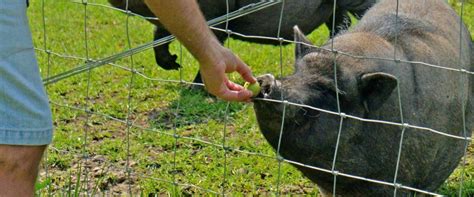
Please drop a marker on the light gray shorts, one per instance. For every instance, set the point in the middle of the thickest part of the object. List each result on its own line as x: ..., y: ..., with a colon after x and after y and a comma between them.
x: 25, y: 116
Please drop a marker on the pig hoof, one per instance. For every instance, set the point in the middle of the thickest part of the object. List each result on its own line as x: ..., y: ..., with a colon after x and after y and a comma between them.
x: 172, y: 66
x: 168, y: 63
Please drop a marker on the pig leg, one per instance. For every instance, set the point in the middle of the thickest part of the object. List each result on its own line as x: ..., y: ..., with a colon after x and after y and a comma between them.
x: 342, y: 22
x: 358, y: 13
x: 163, y: 57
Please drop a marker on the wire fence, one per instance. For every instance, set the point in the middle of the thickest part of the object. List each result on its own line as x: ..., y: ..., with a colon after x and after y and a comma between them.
x: 85, y: 71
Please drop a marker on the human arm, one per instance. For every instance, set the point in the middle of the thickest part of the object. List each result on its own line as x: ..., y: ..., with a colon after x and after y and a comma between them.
x: 184, y: 19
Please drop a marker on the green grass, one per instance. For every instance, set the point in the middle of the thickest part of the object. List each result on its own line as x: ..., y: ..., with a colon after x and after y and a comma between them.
x: 158, y: 110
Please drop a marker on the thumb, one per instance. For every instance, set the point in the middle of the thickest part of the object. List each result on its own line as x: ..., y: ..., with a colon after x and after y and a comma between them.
x: 245, y: 72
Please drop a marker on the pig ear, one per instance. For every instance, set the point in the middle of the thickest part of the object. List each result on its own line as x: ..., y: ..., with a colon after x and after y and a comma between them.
x: 301, y: 49
x: 375, y: 88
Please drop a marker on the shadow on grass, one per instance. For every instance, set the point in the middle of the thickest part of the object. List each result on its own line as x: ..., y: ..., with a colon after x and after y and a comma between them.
x: 192, y: 107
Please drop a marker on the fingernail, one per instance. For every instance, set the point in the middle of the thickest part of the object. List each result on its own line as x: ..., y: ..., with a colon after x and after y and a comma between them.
x: 249, y: 93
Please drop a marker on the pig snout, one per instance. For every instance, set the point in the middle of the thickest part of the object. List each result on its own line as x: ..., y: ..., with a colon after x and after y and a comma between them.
x: 267, y: 83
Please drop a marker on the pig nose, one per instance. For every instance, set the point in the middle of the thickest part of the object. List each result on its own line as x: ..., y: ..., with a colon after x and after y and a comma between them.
x: 266, y: 82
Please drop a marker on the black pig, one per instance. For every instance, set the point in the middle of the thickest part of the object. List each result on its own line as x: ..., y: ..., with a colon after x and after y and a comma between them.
x: 307, y: 14
x: 424, y: 31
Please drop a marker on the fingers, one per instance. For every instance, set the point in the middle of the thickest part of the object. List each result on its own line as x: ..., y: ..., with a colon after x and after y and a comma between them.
x: 216, y: 81
x: 231, y: 95
x: 245, y: 71
x: 233, y: 86
x: 221, y: 87
x: 236, y: 64
x: 234, y: 92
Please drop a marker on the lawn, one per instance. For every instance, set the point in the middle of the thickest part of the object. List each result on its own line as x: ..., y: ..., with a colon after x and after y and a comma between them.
x: 119, y: 133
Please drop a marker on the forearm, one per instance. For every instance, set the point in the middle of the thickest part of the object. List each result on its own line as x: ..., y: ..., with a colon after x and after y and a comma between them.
x: 184, y: 20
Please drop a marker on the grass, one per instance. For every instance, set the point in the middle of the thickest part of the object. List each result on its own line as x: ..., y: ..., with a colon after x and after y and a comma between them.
x: 90, y: 153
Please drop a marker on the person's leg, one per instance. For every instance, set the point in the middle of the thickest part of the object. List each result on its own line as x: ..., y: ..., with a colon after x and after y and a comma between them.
x: 25, y: 117
x: 19, y: 169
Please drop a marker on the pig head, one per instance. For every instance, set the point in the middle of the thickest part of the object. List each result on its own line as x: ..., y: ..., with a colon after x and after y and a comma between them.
x: 369, y: 86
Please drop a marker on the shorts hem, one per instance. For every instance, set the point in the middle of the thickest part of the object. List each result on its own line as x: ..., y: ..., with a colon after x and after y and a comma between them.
x: 26, y: 137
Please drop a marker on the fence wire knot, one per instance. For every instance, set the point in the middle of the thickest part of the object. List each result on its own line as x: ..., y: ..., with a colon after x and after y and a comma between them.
x: 343, y: 115
x: 227, y: 148
x: 280, y: 158
x: 397, y: 185
x: 281, y: 39
x: 88, y: 61
x: 405, y: 125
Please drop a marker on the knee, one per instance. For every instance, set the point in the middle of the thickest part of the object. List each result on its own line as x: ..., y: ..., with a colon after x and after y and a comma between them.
x: 20, y: 161
x: 12, y: 165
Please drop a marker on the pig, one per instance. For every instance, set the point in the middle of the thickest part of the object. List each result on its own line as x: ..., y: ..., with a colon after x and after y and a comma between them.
x: 261, y: 23
x: 424, y: 31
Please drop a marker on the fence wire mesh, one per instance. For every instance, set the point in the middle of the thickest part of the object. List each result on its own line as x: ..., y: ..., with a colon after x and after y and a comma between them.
x: 83, y: 179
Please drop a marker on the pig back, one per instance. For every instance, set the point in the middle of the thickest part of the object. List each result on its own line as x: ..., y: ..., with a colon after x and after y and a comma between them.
x: 307, y: 14
x: 426, y: 34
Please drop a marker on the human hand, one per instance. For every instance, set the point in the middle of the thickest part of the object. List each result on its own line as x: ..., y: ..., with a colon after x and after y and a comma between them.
x: 213, y: 74
x: 181, y: 17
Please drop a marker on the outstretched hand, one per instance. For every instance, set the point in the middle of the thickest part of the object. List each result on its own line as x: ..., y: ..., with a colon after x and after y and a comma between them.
x: 216, y: 81
x: 181, y: 17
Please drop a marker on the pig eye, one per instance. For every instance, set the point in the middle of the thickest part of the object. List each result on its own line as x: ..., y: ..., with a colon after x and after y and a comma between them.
x: 329, y: 94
